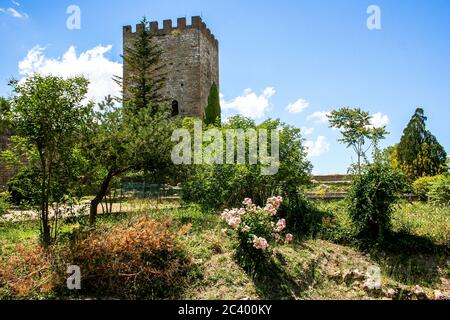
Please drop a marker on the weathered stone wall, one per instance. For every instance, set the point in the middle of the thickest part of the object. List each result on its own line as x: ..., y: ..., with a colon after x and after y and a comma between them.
x: 191, y: 56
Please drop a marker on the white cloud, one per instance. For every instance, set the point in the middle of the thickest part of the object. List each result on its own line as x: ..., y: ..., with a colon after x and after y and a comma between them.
x: 307, y: 131
x: 319, y: 117
x: 297, y: 106
x: 318, y: 147
x: 14, y: 13
x: 16, y: 3
x: 92, y: 64
x: 250, y: 104
x: 379, y: 120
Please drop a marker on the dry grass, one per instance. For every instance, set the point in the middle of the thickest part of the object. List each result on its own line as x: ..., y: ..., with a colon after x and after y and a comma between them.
x: 28, y: 272
x: 142, y: 260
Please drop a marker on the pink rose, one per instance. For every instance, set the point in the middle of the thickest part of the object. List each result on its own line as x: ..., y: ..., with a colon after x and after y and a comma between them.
x: 247, y: 202
x: 260, y: 244
x: 289, y: 238
x: 281, y: 225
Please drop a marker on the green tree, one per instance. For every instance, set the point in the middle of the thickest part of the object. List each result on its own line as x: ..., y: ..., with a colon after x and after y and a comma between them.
x: 213, y: 111
x: 146, y: 73
x: 356, y: 129
x: 419, y: 152
x: 49, y: 114
x: 372, y: 198
x: 390, y: 156
x: 215, y: 186
x: 118, y: 141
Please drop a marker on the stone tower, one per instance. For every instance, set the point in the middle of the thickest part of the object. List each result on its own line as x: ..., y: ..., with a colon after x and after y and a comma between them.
x: 191, y: 55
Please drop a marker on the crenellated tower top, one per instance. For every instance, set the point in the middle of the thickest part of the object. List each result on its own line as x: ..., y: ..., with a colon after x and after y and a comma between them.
x: 168, y: 28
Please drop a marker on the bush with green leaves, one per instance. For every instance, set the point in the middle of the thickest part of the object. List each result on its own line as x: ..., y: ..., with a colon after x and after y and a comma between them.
x: 303, y: 217
x: 24, y: 188
x: 258, y: 230
x: 220, y: 186
x: 4, y: 202
x: 372, y: 198
x: 439, y: 191
x: 421, y: 186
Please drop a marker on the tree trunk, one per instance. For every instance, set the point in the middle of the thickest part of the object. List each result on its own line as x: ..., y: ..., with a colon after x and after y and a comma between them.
x: 99, y: 197
x: 45, y: 227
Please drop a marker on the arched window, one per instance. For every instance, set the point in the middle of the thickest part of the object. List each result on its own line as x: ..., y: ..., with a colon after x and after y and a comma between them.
x: 175, y: 108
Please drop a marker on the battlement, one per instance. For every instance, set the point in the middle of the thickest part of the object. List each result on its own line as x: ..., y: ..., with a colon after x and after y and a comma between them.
x: 168, y: 28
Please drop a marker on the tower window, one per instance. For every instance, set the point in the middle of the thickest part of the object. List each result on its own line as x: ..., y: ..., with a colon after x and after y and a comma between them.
x: 175, y: 108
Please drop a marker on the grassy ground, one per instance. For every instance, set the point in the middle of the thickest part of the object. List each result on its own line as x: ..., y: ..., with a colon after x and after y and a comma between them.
x: 307, y: 269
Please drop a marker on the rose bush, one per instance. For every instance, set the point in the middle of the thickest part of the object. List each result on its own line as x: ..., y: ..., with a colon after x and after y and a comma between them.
x: 258, y: 230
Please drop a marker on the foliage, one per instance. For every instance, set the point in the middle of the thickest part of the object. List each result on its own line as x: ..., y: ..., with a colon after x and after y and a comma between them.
x: 146, y: 72
x: 4, y: 202
x: 142, y: 260
x: 218, y: 186
x: 303, y: 217
x: 336, y: 224
x: 419, y: 152
x: 372, y: 199
x: 213, y: 111
x: 421, y: 186
x: 390, y: 156
x: 49, y: 113
x: 356, y: 128
x: 117, y: 141
x: 4, y: 110
x: 439, y: 191
x: 137, y: 136
x: 258, y: 230
x: 23, y: 186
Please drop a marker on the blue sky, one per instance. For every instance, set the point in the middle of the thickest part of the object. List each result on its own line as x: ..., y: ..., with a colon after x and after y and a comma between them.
x: 318, y: 53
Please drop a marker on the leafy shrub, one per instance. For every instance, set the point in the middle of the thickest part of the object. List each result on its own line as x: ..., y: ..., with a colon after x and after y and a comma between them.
x: 4, y: 202
x: 258, y: 230
x: 143, y: 260
x: 372, y: 198
x: 421, y: 186
x: 439, y: 193
x: 303, y: 217
x: 220, y: 186
x: 23, y: 186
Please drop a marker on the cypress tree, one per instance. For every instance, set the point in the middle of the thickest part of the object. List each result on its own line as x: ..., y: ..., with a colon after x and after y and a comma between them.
x: 419, y: 152
x: 213, y: 110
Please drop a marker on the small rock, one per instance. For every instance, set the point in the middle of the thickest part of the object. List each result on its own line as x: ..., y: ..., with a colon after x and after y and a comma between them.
x: 420, y: 293
x: 391, y: 293
x: 439, y: 295
x: 372, y: 286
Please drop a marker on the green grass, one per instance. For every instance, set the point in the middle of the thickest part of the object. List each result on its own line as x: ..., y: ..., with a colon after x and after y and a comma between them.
x: 425, y: 220
x: 416, y: 218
